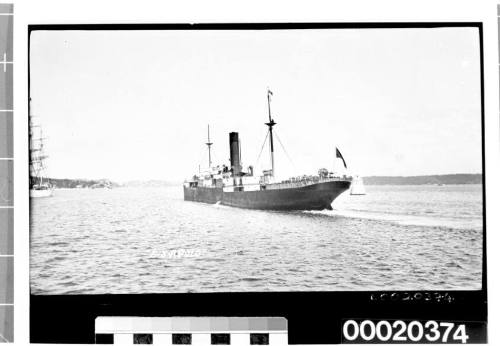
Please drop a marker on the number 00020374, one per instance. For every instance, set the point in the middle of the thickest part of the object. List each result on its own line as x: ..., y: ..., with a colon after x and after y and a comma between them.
x: 404, y: 331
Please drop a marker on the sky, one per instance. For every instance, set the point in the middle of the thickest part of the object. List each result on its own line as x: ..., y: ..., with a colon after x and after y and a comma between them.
x: 135, y: 105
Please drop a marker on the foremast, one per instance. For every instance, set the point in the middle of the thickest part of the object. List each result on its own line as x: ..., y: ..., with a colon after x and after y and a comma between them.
x: 209, y: 144
x: 270, y: 124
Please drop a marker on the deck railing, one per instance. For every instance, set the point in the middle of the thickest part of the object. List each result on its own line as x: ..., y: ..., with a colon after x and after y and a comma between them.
x: 305, y: 181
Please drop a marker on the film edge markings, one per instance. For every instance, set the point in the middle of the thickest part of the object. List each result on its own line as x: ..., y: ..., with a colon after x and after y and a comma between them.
x: 6, y: 175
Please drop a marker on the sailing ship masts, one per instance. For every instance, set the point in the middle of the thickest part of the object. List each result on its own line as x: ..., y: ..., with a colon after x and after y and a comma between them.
x: 36, y: 148
x: 270, y: 124
x: 209, y: 144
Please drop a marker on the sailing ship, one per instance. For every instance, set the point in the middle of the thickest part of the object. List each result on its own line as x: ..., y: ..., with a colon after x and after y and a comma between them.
x: 39, y: 183
x: 357, y: 186
x: 233, y: 186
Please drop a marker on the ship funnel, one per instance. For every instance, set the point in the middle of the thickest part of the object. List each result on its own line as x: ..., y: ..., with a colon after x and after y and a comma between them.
x: 234, y: 148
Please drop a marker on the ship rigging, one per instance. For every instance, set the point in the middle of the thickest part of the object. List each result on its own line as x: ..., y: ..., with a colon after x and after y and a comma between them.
x: 270, y: 124
x: 39, y: 184
x: 233, y: 186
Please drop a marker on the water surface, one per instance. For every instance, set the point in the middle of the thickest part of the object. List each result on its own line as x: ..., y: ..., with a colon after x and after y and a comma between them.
x: 148, y: 240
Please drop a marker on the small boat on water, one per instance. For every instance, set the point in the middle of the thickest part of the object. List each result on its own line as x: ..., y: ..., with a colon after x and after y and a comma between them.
x: 236, y: 187
x: 357, y: 186
x: 39, y: 184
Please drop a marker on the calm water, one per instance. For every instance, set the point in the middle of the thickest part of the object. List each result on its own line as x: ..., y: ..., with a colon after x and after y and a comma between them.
x: 138, y: 240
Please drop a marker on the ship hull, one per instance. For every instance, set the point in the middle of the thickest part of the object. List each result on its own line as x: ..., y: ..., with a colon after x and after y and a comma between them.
x: 317, y: 196
x: 34, y: 193
x: 202, y: 194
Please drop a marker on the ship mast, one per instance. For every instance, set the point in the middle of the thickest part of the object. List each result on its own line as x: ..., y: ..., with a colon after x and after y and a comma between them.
x: 209, y: 144
x: 270, y: 124
x: 36, y: 160
x: 36, y: 149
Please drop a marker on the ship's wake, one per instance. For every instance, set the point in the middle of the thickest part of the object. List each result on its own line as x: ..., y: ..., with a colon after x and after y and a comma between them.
x: 219, y: 205
x: 401, y: 219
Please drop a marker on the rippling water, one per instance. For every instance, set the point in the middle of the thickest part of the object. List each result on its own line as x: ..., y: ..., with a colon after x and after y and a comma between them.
x: 148, y: 240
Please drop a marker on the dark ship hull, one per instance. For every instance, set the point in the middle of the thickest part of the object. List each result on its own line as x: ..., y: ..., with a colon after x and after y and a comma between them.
x: 235, y: 187
x: 317, y: 196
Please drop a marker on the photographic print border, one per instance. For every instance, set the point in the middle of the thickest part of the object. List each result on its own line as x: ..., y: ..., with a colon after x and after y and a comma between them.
x: 313, y: 317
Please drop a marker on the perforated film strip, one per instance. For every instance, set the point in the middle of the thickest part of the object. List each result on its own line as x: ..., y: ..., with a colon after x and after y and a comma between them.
x: 6, y: 175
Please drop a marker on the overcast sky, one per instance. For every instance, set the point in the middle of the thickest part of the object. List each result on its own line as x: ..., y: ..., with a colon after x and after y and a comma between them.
x: 130, y: 105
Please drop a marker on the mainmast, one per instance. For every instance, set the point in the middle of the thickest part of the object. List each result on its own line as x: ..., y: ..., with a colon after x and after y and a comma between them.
x: 209, y: 144
x: 270, y: 124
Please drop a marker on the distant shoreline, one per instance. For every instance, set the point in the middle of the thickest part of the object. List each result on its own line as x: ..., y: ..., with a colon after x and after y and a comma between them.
x: 437, y: 179
x: 81, y: 183
x: 441, y: 179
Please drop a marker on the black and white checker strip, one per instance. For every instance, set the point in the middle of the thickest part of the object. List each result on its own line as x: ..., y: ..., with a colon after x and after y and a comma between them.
x: 124, y: 330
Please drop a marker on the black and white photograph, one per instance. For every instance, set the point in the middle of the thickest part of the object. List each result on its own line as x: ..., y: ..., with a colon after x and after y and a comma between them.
x: 188, y: 161
x: 252, y: 180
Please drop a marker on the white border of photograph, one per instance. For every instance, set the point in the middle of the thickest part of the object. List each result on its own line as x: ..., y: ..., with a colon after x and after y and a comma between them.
x: 80, y: 12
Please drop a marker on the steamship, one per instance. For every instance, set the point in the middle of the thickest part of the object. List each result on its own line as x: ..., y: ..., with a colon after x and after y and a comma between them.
x: 233, y: 186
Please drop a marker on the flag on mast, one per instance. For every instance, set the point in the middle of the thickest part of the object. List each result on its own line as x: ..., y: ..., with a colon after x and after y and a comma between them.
x: 339, y: 155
